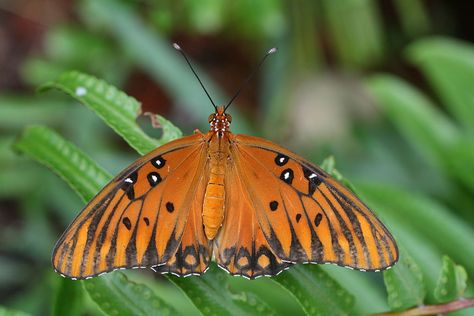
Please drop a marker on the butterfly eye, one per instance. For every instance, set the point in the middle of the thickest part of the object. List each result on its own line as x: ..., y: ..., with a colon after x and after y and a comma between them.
x: 229, y: 118
x: 209, y: 119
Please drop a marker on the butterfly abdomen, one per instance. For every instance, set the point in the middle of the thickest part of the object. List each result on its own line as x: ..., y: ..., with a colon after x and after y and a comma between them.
x: 214, y: 198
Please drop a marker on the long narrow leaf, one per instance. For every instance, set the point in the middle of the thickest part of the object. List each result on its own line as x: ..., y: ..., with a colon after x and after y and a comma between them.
x: 69, y: 299
x: 117, y: 109
x: 404, y: 282
x: 115, y: 294
x: 357, y: 37
x: 64, y: 158
x: 209, y: 294
x: 10, y: 312
x: 316, y: 291
x: 415, y: 116
x: 449, y: 66
x: 157, y: 57
x: 425, y: 127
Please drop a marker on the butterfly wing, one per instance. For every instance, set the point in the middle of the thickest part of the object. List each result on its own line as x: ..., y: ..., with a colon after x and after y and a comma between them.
x: 143, y: 217
x: 240, y: 247
x: 304, y: 214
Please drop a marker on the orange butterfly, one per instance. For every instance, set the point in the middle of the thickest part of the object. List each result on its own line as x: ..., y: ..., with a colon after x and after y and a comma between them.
x: 253, y: 206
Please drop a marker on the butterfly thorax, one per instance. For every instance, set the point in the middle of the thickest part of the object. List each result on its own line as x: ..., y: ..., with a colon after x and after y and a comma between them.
x: 220, y: 121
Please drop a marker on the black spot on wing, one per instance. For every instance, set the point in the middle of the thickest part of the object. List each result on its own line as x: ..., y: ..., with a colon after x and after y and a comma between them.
x: 287, y: 176
x: 281, y: 160
x: 273, y: 205
x: 317, y: 219
x: 313, y: 180
x: 127, y: 223
x: 170, y: 207
x: 158, y: 162
x: 153, y: 178
x: 128, y: 183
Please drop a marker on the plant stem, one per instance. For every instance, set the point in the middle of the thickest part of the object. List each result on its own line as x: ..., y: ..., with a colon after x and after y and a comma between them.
x: 433, y: 309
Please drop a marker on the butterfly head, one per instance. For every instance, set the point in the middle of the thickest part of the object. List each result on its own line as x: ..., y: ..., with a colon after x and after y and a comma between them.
x: 220, y: 121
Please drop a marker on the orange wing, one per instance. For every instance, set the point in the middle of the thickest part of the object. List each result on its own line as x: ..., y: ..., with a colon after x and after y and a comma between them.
x: 304, y: 214
x: 240, y: 247
x: 147, y: 216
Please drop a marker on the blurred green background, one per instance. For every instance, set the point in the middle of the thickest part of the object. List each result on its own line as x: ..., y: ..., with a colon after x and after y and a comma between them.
x: 386, y: 87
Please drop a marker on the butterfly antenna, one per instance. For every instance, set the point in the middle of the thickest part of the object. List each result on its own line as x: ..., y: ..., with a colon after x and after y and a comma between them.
x: 179, y: 49
x: 271, y: 51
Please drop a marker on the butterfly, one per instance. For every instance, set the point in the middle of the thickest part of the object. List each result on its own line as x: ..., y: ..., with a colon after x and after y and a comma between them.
x: 245, y: 202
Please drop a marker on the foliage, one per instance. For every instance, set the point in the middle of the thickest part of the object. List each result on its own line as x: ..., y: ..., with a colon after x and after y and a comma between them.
x: 412, y: 161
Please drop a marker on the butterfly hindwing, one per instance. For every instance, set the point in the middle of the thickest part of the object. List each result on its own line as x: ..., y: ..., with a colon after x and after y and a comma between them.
x: 306, y: 215
x: 194, y: 252
x: 241, y: 247
x: 139, y: 219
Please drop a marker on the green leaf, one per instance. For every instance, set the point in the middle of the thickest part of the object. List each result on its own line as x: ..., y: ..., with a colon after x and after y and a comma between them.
x: 404, y: 283
x: 449, y: 66
x: 452, y: 281
x: 74, y: 45
x: 115, y: 294
x: 64, y: 158
x: 316, y: 291
x: 68, y: 300
x: 10, y: 312
x: 357, y: 37
x: 117, y: 109
x: 170, y: 131
x: 155, y: 55
x: 17, y: 111
x: 415, y: 116
x: 413, y: 17
x: 329, y: 165
x: 211, y: 295
x: 367, y: 288
x: 425, y: 127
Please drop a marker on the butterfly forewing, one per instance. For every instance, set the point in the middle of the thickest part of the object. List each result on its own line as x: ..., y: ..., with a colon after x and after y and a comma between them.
x: 307, y: 216
x: 139, y: 218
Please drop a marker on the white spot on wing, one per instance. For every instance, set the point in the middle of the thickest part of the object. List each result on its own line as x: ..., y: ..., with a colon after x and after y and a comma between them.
x: 286, y: 175
x: 313, y: 175
x: 128, y: 180
x: 154, y: 178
